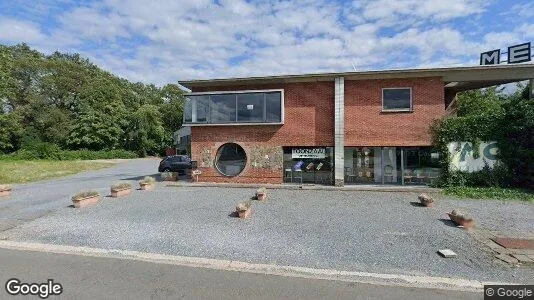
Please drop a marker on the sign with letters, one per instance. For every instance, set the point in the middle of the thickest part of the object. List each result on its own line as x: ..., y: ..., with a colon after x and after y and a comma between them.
x: 492, y: 57
x: 516, y: 54
x: 462, y: 156
x: 308, y: 153
x: 519, y: 53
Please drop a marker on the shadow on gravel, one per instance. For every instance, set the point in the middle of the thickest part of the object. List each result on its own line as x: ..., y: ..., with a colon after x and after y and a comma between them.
x: 137, y: 178
x: 448, y: 222
x: 233, y: 214
x: 418, y: 204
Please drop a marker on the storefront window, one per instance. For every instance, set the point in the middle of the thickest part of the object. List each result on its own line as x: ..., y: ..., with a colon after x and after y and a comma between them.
x: 231, y: 159
x: 421, y: 165
x: 390, y: 165
x: 308, y: 165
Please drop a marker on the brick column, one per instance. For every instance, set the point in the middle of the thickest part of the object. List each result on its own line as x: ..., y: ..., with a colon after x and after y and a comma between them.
x: 339, y: 131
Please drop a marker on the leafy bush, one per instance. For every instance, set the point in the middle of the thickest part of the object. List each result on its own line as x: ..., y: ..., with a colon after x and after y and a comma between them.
x: 40, y: 150
x: 489, y: 193
x: 121, y: 186
x: 5, y: 187
x: 101, y: 154
x: 147, y: 180
x: 242, y: 206
x: 84, y: 194
x: 52, y: 152
x: 485, y: 115
x: 168, y: 176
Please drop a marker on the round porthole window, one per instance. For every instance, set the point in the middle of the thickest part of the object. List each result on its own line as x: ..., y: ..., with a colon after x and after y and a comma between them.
x: 231, y: 159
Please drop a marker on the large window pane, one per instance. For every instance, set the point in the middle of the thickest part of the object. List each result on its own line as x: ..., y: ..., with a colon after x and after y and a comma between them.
x: 202, y: 109
x: 273, y: 102
x: 397, y: 99
x: 223, y: 108
x: 250, y: 107
x: 421, y: 165
x: 253, y: 107
x: 188, y: 110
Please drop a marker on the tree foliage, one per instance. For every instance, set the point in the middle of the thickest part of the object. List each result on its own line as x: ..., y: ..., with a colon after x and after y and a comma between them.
x: 65, y: 100
x: 490, y: 115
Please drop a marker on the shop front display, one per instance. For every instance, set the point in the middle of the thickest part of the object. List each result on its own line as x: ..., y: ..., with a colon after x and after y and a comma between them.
x: 308, y: 165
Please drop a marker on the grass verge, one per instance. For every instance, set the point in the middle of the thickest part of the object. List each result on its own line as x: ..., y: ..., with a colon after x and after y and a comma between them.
x: 489, y: 193
x: 27, y: 171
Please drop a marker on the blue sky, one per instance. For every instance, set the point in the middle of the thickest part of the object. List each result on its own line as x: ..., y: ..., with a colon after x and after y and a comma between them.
x: 162, y: 41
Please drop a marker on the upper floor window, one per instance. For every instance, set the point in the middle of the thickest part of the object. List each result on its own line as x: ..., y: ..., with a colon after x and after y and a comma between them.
x: 397, y: 99
x: 234, y: 107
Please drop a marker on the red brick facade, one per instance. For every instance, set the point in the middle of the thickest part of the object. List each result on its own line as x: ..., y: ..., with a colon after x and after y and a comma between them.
x: 367, y: 125
x: 309, y: 121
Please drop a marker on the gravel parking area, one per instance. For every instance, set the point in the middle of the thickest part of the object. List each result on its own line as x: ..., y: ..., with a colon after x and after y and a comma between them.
x: 30, y: 201
x: 346, y: 230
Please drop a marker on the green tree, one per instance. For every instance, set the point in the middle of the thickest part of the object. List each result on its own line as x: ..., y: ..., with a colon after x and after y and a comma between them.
x: 172, y: 108
x: 147, y: 134
x: 10, y: 132
x: 480, y: 102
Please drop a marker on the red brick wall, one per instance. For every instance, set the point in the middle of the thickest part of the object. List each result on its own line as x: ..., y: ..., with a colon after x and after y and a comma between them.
x: 308, y: 121
x: 367, y: 125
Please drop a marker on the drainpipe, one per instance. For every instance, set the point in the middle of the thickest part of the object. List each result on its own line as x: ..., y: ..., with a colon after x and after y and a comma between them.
x: 339, y: 131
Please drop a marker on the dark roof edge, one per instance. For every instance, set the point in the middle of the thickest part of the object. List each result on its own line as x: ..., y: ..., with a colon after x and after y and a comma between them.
x: 395, y: 73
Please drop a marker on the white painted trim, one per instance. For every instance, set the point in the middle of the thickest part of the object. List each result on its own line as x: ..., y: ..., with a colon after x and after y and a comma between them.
x: 233, y: 92
x: 230, y: 124
x: 398, y: 109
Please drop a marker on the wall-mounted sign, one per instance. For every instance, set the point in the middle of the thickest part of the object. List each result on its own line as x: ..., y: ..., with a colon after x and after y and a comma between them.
x: 462, y: 156
x: 516, y: 54
x: 308, y: 153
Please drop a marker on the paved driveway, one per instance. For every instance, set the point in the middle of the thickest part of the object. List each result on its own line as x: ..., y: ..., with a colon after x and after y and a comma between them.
x: 348, y: 230
x: 34, y: 200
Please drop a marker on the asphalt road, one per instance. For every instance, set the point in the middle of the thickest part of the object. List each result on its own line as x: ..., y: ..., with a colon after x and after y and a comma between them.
x: 31, y: 201
x: 86, y: 277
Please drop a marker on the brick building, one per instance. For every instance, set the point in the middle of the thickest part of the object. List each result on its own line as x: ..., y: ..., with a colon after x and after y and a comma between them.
x: 336, y: 128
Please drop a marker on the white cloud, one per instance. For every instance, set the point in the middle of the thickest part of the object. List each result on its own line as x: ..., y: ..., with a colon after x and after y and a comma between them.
x: 15, y: 31
x: 167, y: 40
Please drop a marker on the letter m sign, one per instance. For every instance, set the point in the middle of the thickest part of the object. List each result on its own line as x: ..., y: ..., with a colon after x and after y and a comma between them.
x: 492, y: 57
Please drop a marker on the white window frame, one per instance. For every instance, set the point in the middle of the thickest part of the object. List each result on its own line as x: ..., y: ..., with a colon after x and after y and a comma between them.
x: 282, y: 108
x: 398, y: 109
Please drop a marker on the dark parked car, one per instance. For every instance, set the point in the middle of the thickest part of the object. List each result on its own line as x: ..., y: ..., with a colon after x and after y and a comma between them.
x: 175, y: 163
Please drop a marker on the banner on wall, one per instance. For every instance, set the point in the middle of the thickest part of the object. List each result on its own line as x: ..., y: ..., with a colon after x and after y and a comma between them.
x: 462, y: 156
x: 319, y: 153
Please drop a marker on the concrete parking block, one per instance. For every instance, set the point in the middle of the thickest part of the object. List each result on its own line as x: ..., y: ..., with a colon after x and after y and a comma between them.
x: 447, y: 253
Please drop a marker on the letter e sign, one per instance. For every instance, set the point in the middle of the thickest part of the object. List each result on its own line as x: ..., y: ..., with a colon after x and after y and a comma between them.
x: 519, y: 53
